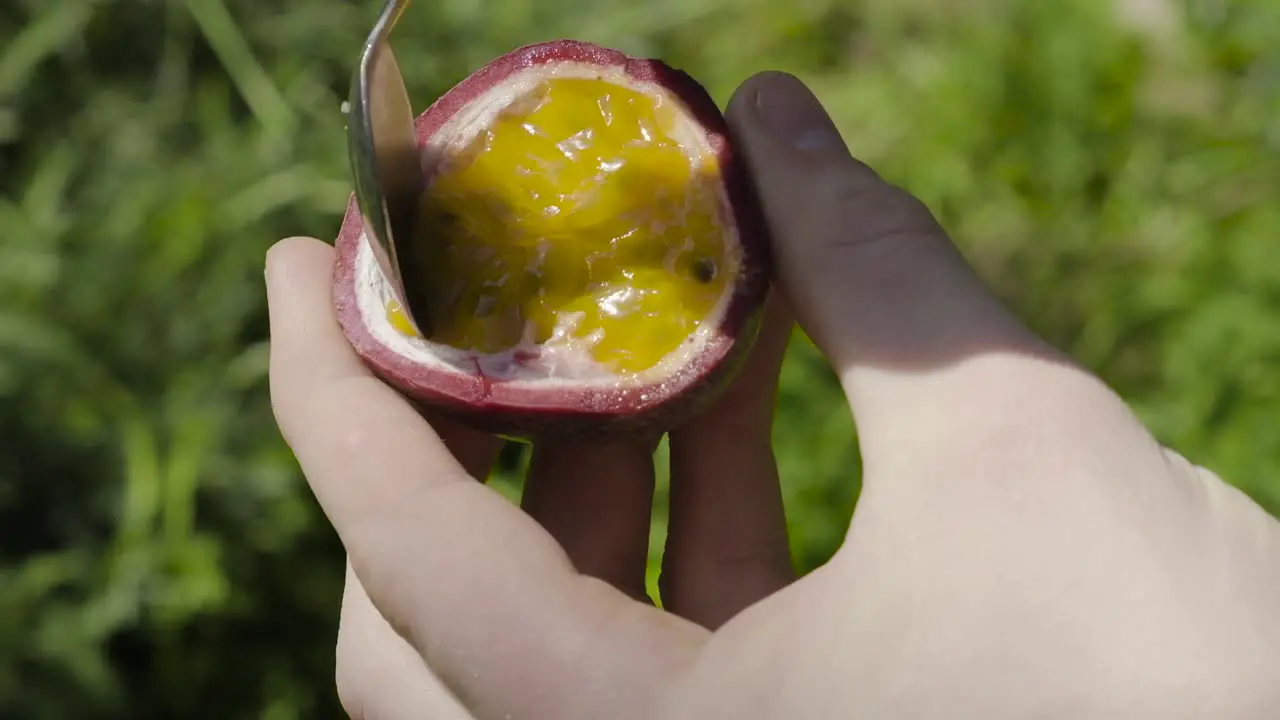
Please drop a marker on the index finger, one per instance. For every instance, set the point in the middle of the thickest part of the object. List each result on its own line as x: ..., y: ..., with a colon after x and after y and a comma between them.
x: 475, y: 585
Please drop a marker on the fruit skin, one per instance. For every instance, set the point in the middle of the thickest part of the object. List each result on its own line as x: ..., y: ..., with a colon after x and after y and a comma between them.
x: 524, y: 410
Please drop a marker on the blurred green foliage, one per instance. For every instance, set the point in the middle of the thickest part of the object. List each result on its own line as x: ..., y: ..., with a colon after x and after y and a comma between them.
x: 1111, y: 167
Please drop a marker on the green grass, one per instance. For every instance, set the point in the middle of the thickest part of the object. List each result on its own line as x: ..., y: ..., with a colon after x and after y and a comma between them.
x: 159, y: 553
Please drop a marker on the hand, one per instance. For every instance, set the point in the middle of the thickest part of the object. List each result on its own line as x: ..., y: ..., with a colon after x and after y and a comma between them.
x: 1022, y: 546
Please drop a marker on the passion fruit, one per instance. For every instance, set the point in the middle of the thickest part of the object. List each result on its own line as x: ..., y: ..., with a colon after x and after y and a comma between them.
x: 590, y: 245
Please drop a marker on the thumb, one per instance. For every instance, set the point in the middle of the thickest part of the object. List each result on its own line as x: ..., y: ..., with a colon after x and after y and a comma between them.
x: 872, y: 277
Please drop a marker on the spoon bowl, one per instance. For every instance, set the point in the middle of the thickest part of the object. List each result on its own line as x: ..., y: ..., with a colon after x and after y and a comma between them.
x: 382, y: 144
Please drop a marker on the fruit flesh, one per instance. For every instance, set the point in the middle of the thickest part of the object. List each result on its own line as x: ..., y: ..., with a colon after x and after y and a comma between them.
x: 575, y: 218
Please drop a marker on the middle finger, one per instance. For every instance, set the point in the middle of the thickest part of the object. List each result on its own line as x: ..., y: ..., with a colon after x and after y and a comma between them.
x: 596, y: 501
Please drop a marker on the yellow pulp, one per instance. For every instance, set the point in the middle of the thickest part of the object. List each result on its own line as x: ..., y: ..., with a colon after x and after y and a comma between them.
x: 576, y: 217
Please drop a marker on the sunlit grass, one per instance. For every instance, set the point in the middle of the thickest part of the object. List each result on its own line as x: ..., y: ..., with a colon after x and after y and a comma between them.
x: 162, y: 557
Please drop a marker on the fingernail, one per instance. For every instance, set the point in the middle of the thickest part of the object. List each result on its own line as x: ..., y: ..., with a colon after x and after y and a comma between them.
x: 267, y: 271
x: 273, y: 265
x: 791, y: 112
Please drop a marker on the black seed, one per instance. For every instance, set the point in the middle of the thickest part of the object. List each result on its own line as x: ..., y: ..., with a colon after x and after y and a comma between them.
x: 704, y: 270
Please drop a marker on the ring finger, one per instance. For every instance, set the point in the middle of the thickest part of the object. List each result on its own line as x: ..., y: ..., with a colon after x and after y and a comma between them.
x: 727, y: 540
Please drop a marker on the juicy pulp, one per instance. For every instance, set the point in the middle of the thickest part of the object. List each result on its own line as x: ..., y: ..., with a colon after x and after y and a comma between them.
x: 575, y: 217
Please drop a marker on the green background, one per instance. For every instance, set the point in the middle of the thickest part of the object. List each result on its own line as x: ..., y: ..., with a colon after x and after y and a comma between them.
x: 1112, y: 168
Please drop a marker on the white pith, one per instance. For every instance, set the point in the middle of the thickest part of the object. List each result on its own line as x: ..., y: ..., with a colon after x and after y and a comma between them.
x: 554, y: 363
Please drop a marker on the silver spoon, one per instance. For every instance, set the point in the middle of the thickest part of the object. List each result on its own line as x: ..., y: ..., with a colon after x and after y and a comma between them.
x: 383, y: 148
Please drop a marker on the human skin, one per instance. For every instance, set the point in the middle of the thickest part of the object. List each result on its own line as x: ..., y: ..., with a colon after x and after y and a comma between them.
x: 1022, y: 548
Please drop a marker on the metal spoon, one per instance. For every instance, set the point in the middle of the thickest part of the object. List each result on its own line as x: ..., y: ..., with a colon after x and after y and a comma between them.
x: 383, y: 147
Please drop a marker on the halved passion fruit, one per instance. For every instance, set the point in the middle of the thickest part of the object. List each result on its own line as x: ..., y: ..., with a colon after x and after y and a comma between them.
x: 590, y: 247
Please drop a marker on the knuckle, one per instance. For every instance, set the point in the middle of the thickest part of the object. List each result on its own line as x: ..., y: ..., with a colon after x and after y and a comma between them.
x: 714, y: 568
x: 880, y: 212
x: 858, y: 207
